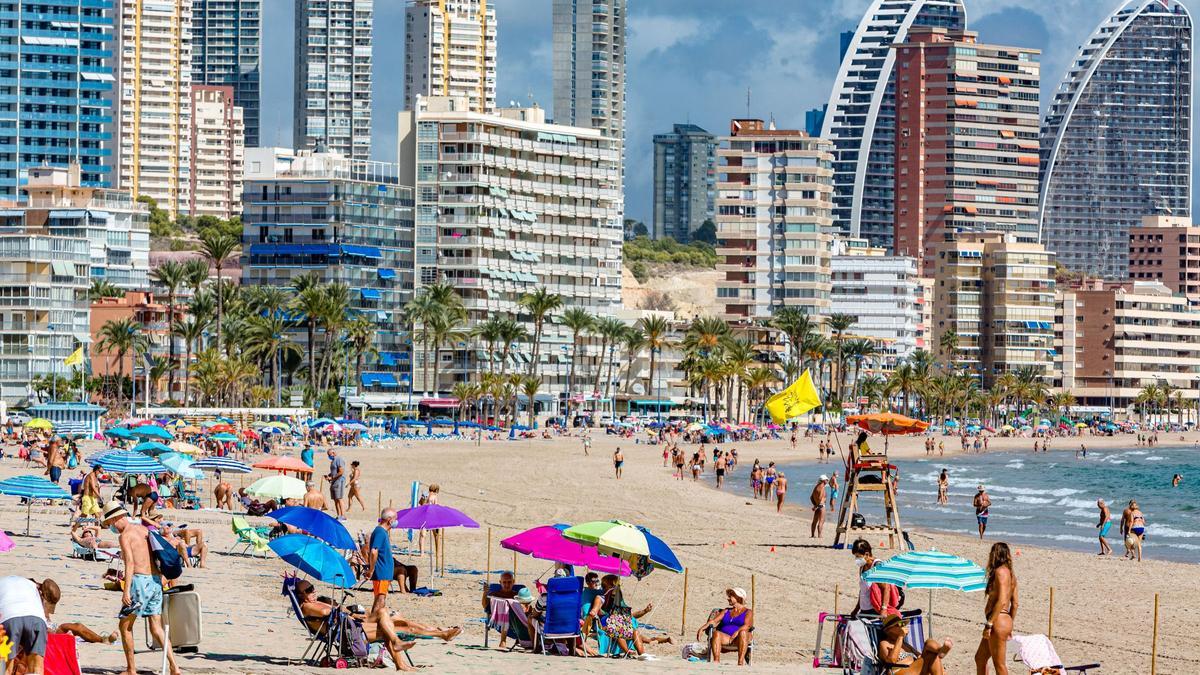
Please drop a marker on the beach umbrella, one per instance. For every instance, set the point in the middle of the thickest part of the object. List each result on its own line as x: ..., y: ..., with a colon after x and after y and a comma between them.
x: 176, y: 423
x: 220, y: 464
x: 931, y: 570
x: 222, y: 428
x: 186, y: 448
x: 137, y: 422
x: 125, y: 461
x: 30, y: 488
x: 1080, y: 425
x: 547, y: 543
x: 39, y: 423
x: 282, y: 426
x: 432, y: 517
x: 181, y: 465
x: 355, y: 426
x: 151, y: 448
x: 636, y: 545
x: 189, y: 429
x: 888, y: 424
x: 315, y: 558
x: 224, y: 437
x: 283, y: 464
x: 277, y: 487
x: 317, y: 524
x: 119, y: 432
x: 153, y: 431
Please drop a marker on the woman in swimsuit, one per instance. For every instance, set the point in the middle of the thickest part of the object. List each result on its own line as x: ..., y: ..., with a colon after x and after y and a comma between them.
x: 943, y: 488
x: 1137, y: 528
x: 1000, y: 610
x: 731, y: 628
x: 316, y: 612
x: 353, y: 492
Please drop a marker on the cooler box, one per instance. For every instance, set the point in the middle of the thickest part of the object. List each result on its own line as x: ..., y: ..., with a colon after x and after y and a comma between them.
x: 182, y: 616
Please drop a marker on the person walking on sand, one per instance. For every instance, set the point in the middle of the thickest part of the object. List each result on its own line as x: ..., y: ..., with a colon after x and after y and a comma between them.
x: 721, y: 464
x: 1137, y: 530
x: 679, y: 463
x: 337, y: 482
x: 818, y: 506
x: 355, y: 491
x: 1104, y: 525
x: 999, y: 610
x: 983, y: 504
x: 943, y: 488
x: 618, y: 461
x: 769, y: 480
x: 378, y: 553
x: 141, y: 588
x: 780, y: 491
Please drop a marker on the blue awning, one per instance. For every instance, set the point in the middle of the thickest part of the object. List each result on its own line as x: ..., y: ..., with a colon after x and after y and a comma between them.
x: 380, y: 379
x: 1045, y: 325
x: 362, y: 251
x: 370, y: 294
x: 10, y: 213
x: 385, y: 273
x: 68, y: 213
x: 387, y: 359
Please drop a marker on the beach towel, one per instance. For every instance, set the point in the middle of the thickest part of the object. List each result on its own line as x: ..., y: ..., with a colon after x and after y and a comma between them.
x: 1036, y: 652
x: 860, y: 648
x: 498, y: 616
x: 426, y: 592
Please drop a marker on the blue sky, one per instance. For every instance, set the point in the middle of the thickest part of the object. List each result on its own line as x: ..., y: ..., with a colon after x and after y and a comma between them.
x: 688, y: 60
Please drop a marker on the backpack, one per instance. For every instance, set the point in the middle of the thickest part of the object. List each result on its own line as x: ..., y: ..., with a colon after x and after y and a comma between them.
x: 170, y: 563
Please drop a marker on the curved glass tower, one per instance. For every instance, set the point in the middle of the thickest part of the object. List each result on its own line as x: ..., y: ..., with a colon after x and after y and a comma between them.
x: 1117, y: 139
x: 861, y: 116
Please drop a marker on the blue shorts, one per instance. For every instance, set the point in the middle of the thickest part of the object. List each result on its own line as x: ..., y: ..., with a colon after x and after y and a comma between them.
x: 1104, y: 530
x: 145, y: 590
x: 982, y: 518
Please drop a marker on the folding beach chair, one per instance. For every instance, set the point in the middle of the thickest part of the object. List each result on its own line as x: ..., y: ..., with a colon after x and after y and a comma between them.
x: 248, y: 537
x: 334, y: 642
x: 854, y: 642
x: 1039, y: 656
x: 729, y: 648
x: 564, y: 603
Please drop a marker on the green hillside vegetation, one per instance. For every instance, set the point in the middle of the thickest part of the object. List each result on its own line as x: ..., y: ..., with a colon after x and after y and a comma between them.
x: 641, y: 252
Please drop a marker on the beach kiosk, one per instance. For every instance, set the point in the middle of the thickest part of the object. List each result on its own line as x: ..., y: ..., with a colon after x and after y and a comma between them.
x: 71, y: 418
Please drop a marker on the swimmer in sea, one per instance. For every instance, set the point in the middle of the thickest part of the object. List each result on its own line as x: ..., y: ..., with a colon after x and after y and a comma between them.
x: 1176, y: 480
x: 1104, y: 526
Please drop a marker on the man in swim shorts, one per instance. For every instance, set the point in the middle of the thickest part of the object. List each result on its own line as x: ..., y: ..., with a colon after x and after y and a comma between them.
x: 818, y: 506
x: 618, y: 462
x: 983, y: 504
x: 721, y: 463
x: 1104, y: 526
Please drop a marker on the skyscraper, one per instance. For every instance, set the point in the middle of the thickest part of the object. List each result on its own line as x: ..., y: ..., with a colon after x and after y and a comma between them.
x: 332, y: 106
x: 1116, y: 142
x: 226, y: 46
x: 589, y: 66
x: 860, y: 116
x: 217, y: 137
x: 68, y: 69
x: 966, y: 142
x: 154, y: 88
x: 450, y: 50
x: 684, y: 181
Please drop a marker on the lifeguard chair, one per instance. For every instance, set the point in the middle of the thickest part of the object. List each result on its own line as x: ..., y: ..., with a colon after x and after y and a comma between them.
x: 870, y: 472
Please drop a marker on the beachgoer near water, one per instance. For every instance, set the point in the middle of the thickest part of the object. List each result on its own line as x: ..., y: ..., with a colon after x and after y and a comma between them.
x: 141, y: 587
x: 780, y: 491
x: 818, y: 506
x: 1137, y: 530
x: 1000, y: 611
x: 730, y: 629
x: 720, y: 465
x: 679, y: 463
x: 1176, y: 480
x: 354, y: 490
x: 55, y: 461
x: 1104, y: 526
x: 769, y: 480
x: 893, y: 650
x: 89, y: 500
x: 696, y: 466
x: 941, y: 448
x: 983, y: 505
x: 943, y: 488
x: 833, y: 491
x: 756, y: 483
x: 618, y: 462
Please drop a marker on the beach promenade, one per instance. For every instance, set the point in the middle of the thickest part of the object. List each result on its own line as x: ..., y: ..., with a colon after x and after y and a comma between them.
x: 1103, y: 608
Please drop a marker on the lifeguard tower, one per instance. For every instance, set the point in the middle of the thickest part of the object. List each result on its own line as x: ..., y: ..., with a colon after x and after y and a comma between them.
x: 869, y: 471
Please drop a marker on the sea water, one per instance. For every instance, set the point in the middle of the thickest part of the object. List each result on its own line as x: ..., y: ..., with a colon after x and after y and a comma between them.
x: 1044, y: 499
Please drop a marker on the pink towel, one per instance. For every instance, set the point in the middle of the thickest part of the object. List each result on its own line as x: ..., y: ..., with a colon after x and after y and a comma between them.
x: 498, y: 617
x: 1036, y: 651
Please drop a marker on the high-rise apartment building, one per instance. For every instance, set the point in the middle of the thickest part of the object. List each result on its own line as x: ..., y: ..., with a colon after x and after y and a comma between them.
x: 346, y: 221
x: 997, y: 296
x: 226, y: 51
x: 884, y: 294
x: 589, y: 66
x: 1116, y: 141
x: 774, y: 197
x: 217, y: 151
x: 1166, y: 249
x: 860, y: 115
x: 57, y: 90
x: 152, y: 145
x: 966, y: 140
x: 450, y: 50
x: 332, y: 106
x: 505, y: 204
x: 685, y: 181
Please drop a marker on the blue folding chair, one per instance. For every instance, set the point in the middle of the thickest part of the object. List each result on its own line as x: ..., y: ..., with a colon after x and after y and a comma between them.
x: 564, y: 603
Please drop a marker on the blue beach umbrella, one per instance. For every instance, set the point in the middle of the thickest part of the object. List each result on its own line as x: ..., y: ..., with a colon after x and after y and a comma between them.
x: 634, y: 544
x: 315, y: 558
x: 222, y: 464
x: 932, y: 570
x: 119, y: 432
x: 30, y: 488
x: 316, y: 523
x: 181, y: 465
x: 151, y: 448
x: 224, y: 437
x: 153, y: 431
x: 125, y: 461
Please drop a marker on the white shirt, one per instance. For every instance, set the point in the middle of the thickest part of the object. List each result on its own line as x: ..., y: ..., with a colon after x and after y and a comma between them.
x: 19, y: 597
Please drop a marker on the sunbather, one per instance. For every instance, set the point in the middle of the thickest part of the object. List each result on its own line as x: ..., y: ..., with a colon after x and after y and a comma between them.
x: 731, y: 628
x: 188, y: 541
x: 51, y: 594
x: 317, y: 610
x: 894, y: 652
x: 88, y: 536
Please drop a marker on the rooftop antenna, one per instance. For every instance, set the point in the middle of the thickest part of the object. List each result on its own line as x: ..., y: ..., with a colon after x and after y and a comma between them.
x: 747, y: 102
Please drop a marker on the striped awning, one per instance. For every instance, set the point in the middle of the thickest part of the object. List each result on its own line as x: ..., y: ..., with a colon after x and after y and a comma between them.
x: 929, y: 569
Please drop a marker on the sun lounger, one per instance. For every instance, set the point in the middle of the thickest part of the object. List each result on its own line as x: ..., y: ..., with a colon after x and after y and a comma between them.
x: 1039, y: 656
x: 94, y: 554
x: 507, y: 617
x: 248, y: 537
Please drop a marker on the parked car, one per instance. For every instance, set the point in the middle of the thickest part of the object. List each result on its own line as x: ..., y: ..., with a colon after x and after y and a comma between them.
x: 19, y: 418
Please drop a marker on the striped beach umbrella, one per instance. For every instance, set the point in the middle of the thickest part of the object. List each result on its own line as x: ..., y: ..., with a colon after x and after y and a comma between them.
x: 931, y: 570
x: 224, y: 464
x: 29, y: 488
x: 125, y: 461
x: 181, y: 465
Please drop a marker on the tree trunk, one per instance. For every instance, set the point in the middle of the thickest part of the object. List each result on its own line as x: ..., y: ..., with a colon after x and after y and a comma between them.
x: 537, y: 347
x: 437, y: 367
x: 220, y: 307
x: 171, y: 344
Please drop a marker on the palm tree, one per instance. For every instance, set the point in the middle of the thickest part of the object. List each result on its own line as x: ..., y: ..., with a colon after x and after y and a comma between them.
x: 101, y: 289
x: 268, y: 342
x: 757, y: 382
x: 119, y: 337
x: 218, y: 248
x: 467, y: 394
x: 489, y: 331
x: 634, y: 341
x: 577, y: 320
x: 539, y: 303
x: 510, y: 333
x: 529, y: 387
x: 655, y: 330
x: 445, y: 330
x: 739, y: 357
x: 611, y: 331
x: 308, y: 302
x: 195, y: 272
x: 839, y: 324
x: 360, y: 335
x: 331, y: 318
x: 796, y: 325
x: 432, y: 301
x: 190, y: 331
x: 948, y: 344
x: 172, y: 276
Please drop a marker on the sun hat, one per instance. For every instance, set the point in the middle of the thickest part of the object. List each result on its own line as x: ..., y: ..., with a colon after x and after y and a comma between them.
x: 823, y: 477
x: 525, y: 595
x: 737, y: 591
x: 114, y: 510
x: 893, y: 620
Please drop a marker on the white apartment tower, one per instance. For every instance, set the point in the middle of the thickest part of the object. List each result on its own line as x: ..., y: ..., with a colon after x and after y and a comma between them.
x: 152, y: 143
x: 450, y: 50
x: 332, y: 107
x: 218, y: 149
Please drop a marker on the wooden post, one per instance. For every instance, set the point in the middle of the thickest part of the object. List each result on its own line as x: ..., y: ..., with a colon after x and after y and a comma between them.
x: 683, y: 615
x: 1050, y: 622
x: 1154, y: 640
x: 514, y: 569
x: 752, y: 594
x: 378, y: 502
x: 487, y: 571
x: 836, y: 592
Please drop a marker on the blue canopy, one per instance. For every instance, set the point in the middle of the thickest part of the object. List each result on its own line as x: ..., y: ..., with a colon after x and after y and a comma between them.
x: 315, y: 558
x: 221, y: 464
x: 119, y: 432
x: 153, y: 431
x: 316, y: 523
x: 32, y: 487
x: 151, y: 448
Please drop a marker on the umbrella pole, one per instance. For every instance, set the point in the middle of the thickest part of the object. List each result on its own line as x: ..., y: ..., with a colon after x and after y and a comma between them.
x: 28, y: 514
x: 931, y: 612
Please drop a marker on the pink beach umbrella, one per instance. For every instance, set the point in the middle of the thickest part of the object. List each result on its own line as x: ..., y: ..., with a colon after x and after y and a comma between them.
x: 6, y: 544
x: 547, y: 543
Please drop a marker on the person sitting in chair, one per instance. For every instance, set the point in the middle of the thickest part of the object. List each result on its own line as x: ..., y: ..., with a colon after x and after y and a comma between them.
x: 731, y: 628
x: 316, y: 610
x: 616, y: 618
x: 894, y: 652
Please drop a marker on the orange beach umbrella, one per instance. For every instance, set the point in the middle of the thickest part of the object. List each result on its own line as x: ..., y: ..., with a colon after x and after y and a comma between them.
x: 284, y: 464
x: 888, y: 424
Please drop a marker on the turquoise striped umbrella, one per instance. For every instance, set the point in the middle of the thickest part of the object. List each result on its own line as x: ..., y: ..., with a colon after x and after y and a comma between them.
x: 30, y: 488
x: 932, y: 570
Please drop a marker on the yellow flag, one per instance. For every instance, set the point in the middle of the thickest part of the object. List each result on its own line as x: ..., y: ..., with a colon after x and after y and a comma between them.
x: 794, y: 401
x: 75, y: 358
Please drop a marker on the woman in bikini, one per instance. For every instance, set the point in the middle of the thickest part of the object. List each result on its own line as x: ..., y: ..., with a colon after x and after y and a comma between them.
x: 354, y: 492
x: 731, y: 628
x: 1000, y: 611
x: 943, y: 488
x: 1137, y: 530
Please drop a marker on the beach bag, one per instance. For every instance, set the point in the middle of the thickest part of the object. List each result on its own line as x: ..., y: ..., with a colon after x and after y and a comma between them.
x: 170, y: 563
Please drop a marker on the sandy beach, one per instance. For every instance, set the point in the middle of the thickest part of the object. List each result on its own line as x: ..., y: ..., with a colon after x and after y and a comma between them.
x: 1103, y: 607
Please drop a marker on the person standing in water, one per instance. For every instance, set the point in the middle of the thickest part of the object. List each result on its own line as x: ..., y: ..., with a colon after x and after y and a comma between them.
x: 943, y: 488
x: 1104, y: 526
x: 983, y: 504
x: 818, y: 506
x: 721, y: 463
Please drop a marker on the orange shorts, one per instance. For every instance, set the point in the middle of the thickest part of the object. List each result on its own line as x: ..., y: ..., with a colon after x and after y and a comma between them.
x: 380, y: 587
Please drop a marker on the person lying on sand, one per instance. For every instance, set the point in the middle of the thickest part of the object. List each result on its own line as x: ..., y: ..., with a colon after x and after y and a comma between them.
x: 895, y: 652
